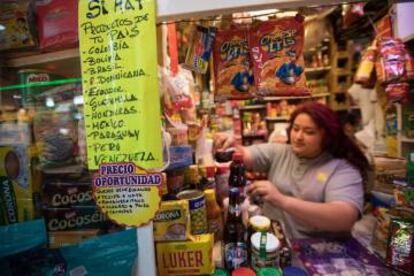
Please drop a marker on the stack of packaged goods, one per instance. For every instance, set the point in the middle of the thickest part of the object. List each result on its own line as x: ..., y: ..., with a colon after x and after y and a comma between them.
x: 70, y: 211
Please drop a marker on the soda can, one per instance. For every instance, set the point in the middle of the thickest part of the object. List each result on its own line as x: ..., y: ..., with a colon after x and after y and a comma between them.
x: 198, y: 212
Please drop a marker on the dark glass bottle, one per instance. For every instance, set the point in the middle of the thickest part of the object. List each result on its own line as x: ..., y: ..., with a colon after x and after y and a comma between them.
x: 237, y: 178
x: 235, y: 249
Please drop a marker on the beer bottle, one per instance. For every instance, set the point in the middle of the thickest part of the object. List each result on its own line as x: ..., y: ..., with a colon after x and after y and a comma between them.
x: 235, y: 249
x: 237, y: 176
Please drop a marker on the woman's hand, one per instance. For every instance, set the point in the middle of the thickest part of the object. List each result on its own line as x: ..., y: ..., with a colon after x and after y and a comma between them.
x: 223, y: 141
x: 268, y: 192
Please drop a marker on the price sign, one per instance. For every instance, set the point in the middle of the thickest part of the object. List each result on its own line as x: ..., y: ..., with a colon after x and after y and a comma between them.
x: 120, y: 84
x: 126, y: 196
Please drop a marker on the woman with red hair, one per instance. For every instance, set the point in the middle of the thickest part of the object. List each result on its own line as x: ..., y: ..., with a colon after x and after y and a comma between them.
x: 315, y: 182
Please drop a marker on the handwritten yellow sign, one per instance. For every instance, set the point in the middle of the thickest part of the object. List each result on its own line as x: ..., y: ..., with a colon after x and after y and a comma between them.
x: 126, y: 197
x: 120, y: 85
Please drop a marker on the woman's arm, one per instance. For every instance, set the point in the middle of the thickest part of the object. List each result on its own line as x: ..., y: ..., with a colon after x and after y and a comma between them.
x: 335, y: 216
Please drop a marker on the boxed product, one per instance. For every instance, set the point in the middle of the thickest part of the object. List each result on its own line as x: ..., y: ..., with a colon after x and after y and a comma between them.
x: 16, y: 186
x: 74, y: 218
x: 57, y: 23
x: 186, y: 257
x: 171, y: 223
x: 17, y: 18
x: 66, y: 193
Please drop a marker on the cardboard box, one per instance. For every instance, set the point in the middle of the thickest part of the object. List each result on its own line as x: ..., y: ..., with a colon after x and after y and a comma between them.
x: 186, y: 257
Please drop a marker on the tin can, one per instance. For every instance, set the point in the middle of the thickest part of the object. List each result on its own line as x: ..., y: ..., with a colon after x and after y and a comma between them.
x: 198, y: 212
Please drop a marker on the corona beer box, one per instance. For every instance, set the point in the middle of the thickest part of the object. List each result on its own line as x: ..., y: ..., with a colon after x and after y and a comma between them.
x: 186, y: 257
x: 17, y: 187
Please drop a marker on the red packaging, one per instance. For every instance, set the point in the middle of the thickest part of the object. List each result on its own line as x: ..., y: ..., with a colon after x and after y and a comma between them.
x: 232, y: 66
x: 276, y: 48
x: 397, y: 92
x: 57, y: 23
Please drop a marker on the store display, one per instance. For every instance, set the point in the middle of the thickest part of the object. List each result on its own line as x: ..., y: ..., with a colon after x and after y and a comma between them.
x: 245, y: 80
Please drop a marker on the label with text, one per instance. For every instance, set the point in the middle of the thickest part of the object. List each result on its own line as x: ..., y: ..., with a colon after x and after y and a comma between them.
x: 125, y: 196
x: 120, y: 85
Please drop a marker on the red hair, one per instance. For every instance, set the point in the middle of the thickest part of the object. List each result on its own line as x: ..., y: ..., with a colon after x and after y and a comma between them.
x: 335, y: 141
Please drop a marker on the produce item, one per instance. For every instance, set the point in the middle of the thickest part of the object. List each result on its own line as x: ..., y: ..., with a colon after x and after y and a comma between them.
x: 198, y: 212
x: 276, y: 48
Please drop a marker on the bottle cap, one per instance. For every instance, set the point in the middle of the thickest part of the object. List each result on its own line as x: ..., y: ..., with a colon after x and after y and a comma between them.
x: 269, y: 271
x: 234, y: 192
x: 260, y: 223
x: 210, y: 194
x: 237, y: 156
x: 211, y: 171
x: 243, y: 271
x: 294, y: 271
x: 272, y: 243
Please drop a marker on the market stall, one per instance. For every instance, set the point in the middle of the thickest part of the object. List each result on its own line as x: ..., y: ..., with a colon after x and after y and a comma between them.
x: 109, y: 155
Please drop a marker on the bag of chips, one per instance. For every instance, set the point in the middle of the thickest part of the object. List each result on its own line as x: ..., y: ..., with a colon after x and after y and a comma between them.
x: 199, y: 52
x: 232, y: 66
x: 276, y: 49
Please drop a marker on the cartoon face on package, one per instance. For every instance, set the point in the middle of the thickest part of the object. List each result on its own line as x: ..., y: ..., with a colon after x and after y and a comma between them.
x: 232, y: 66
x: 276, y: 48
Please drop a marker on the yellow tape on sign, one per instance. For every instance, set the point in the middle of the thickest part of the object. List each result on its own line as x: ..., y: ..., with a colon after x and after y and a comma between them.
x: 120, y: 85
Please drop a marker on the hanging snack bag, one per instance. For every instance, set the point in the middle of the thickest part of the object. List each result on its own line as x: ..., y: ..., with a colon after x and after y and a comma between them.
x: 390, y: 66
x: 232, y: 66
x: 199, y: 52
x: 276, y: 48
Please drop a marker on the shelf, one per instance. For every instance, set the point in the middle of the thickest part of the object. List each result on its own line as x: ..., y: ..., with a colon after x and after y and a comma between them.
x: 405, y: 139
x: 317, y: 69
x: 252, y: 107
x: 296, y: 97
x: 284, y: 119
x: 64, y: 62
